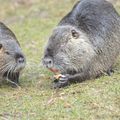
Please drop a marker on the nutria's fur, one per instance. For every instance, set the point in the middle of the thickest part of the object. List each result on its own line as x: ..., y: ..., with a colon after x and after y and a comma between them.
x: 86, y: 42
x: 12, y: 60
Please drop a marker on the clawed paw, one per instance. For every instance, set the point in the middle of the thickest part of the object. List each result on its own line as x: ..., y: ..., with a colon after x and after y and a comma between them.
x: 61, y: 81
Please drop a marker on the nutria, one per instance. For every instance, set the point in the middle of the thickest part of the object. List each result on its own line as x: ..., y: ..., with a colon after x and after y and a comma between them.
x: 12, y: 60
x: 85, y: 44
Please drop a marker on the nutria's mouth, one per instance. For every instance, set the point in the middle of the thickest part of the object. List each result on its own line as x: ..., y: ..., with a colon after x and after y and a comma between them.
x: 11, y: 76
x: 54, y: 70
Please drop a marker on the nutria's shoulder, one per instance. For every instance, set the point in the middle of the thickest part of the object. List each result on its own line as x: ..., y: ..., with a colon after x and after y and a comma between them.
x: 92, y: 16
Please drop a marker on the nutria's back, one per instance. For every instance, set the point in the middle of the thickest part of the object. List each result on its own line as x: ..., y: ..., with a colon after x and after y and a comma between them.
x: 86, y: 42
x: 100, y: 21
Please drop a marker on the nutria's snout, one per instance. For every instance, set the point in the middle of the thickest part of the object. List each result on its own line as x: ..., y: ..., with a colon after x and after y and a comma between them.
x: 19, y: 58
x: 14, y: 67
x: 20, y: 62
x: 48, y: 63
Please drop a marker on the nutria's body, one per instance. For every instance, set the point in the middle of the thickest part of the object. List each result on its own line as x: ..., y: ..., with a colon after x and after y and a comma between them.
x: 12, y: 60
x: 86, y: 42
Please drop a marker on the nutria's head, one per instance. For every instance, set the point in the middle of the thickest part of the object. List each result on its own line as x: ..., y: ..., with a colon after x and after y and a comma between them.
x: 68, y: 50
x: 12, y: 60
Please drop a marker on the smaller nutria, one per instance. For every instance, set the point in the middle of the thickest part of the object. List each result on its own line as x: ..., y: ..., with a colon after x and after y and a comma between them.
x: 12, y: 60
x: 85, y: 44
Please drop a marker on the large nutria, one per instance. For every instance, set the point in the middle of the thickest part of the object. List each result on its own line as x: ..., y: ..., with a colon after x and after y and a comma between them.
x: 85, y: 44
x: 12, y: 60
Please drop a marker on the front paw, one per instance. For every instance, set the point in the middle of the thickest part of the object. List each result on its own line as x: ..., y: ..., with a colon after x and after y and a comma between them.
x: 62, y: 81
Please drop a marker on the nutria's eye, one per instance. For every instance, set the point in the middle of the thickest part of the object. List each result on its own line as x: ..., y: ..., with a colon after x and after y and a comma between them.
x: 75, y: 34
x: 7, y: 53
x: 1, y: 46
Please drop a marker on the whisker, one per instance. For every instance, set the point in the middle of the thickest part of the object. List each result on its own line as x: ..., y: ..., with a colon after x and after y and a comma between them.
x: 13, y: 83
x: 9, y: 71
x: 9, y: 68
x: 4, y: 66
x: 8, y: 64
x: 12, y: 70
x: 12, y: 75
x: 5, y: 70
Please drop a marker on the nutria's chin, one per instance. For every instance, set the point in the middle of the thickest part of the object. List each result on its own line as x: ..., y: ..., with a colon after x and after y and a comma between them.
x: 11, y: 76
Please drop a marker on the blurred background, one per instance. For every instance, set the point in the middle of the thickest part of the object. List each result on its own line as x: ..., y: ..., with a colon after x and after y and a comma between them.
x: 32, y: 21
x: 18, y: 9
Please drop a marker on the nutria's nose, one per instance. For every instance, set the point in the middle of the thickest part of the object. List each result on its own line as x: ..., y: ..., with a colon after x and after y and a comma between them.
x: 19, y: 58
x: 48, y: 62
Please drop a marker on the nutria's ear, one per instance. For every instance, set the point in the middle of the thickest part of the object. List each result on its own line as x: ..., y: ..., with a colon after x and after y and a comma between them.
x: 75, y: 34
x: 1, y: 46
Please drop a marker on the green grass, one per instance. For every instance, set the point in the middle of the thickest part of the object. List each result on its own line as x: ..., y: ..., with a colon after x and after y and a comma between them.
x: 91, y: 100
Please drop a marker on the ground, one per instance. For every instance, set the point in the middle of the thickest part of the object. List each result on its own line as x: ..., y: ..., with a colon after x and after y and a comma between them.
x: 32, y: 21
